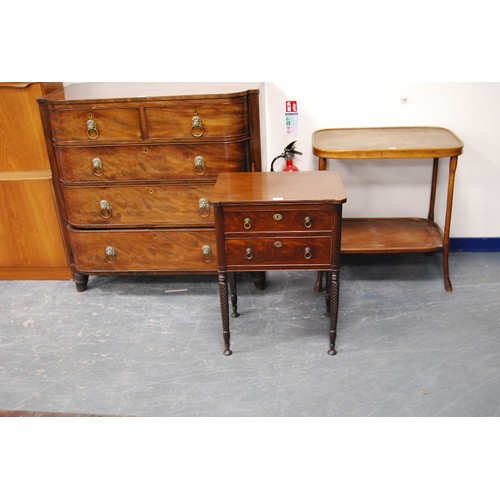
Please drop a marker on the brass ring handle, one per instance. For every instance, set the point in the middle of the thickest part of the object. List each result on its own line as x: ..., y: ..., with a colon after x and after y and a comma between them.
x: 203, y: 207
x: 92, y: 131
x: 247, y: 224
x: 249, y: 254
x: 196, y: 125
x: 308, y: 222
x: 199, y: 165
x: 307, y: 253
x: 206, y: 254
x: 105, y: 209
x: 110, y: 254
x: 97, y: 167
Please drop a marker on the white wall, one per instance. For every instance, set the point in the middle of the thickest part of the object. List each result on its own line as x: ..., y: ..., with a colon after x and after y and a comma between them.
x: 401, y: 188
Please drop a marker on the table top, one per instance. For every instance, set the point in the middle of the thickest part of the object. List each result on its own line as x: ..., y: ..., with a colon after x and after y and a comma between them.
x: 386, y: 142
x: 278, y: 187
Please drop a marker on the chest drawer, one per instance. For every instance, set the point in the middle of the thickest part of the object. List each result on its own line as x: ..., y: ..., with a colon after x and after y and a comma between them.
x: 143, y: 205
x: 96, y: 125
x: 198, y: 119
x: 151, y: 162
x: 277, y: 219
x: 144, y: 250
x: 300, y: 252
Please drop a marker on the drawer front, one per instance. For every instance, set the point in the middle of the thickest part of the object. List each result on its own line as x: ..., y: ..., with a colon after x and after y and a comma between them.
x: 116, y: 163
x: 146, y: 205
x: 96, y: 125
x: 198, y: 119
x: 289, y: 252
x: 144, y: 250
x: 277, y: 220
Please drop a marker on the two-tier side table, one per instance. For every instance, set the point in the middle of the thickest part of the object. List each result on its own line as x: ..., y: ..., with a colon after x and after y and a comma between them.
x: 278, y: 221
x: 394, y: 235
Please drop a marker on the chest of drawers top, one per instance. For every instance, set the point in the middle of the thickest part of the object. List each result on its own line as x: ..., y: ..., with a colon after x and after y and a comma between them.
x: 99, y: 113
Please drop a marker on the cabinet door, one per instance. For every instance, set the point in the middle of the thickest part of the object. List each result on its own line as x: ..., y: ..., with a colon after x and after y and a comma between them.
x: 31, y: 243
x: 22, y: 139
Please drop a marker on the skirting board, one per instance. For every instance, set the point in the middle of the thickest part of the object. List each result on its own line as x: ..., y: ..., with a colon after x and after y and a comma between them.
x: 474, y: 244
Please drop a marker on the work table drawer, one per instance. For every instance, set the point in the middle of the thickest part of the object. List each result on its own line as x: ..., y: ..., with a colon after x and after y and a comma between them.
x: 277, y: 218
x: 303, y: 251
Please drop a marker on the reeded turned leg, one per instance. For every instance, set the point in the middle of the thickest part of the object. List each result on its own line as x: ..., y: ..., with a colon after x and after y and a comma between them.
x: 224, y: 308
x: 234, y: 294
x: 334, y: 307
x: 327, y: 293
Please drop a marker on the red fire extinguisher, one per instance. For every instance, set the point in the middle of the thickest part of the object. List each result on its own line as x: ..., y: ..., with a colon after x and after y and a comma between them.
x: 288, y: 154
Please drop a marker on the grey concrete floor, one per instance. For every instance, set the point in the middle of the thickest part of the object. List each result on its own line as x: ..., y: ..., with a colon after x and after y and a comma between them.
x: 152, y: 345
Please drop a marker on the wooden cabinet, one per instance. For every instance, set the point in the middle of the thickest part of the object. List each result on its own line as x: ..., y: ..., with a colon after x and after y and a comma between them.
x: 278, y: 221
x: 31, y: 244
x: 134, y: 166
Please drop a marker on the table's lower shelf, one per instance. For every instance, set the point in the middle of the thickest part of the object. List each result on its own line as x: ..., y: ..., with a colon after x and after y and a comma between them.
x: 390, y: 235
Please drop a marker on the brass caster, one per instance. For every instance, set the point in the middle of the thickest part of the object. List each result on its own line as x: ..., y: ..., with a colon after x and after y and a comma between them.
x: 332, y: 351
x: 235, y: 315
x: 227, y: 352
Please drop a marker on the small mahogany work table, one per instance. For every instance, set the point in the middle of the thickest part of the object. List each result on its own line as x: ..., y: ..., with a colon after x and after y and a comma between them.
x: 278, y: 221
x: 394, y: 235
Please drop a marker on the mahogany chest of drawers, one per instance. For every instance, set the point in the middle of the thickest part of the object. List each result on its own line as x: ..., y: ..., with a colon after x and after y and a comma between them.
x: 278, y: 221
x: 133, y: 168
